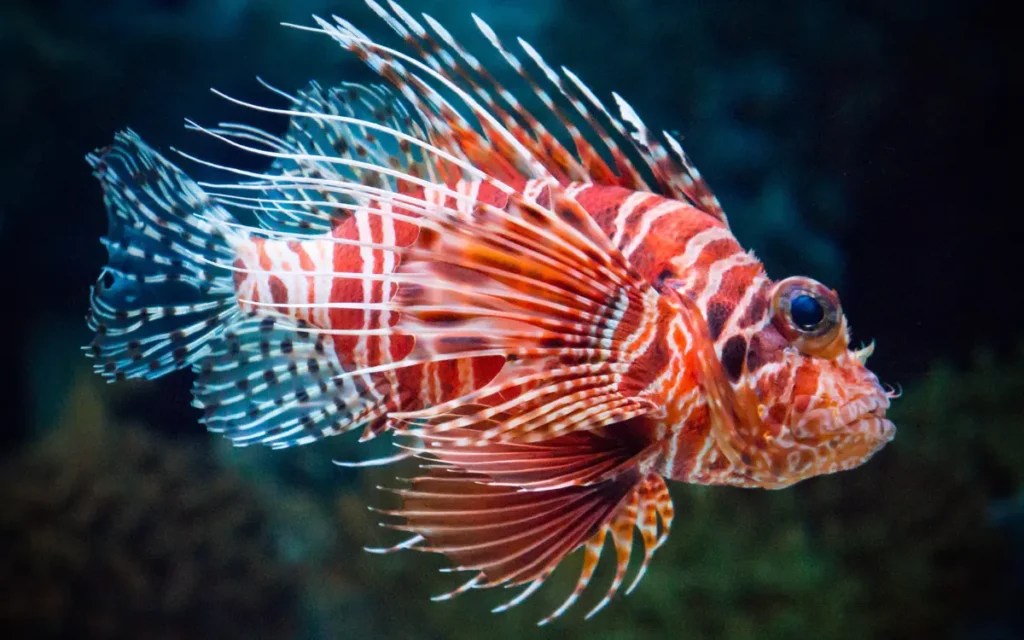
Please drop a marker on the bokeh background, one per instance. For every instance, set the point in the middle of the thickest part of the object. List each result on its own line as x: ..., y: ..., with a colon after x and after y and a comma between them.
x: 867, y: 143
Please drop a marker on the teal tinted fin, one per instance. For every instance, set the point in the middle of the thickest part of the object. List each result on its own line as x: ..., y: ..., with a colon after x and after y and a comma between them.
x: 165, y: 290
x: 276, y: 381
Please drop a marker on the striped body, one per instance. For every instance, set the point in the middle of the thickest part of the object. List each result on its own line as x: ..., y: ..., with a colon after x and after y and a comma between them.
x: 670, y: 243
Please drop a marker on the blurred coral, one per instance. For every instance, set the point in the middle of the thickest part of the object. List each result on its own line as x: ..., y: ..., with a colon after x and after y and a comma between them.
x: 110, y: 531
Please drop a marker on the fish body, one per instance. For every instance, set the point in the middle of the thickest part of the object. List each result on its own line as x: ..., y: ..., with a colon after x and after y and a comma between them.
x: 558, y: 331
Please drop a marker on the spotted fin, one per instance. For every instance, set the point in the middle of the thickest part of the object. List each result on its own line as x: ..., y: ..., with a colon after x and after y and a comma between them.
x: 273, y: 380
x: 164, y: 293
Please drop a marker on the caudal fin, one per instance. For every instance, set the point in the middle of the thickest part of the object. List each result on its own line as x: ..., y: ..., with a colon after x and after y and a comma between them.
x: 165, y: 291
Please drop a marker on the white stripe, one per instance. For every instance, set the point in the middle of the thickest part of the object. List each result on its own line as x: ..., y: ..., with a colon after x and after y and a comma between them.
x: 471, y: 189
x: 650, y: 304
x: 716, y: 272
x: 365, y: 234
x: 437, y: 392
x: 648, y: 219
x: 625, y: 210
x: 576, y: 189
x: 388, y: 228
x: 322, y: 255
x: 695, y: 245
x: 467, y: 381
x: 658, y: 386
x: 534, y: 188
x: 282, y: 265
x: 743, y: 305
x: 699, y: 459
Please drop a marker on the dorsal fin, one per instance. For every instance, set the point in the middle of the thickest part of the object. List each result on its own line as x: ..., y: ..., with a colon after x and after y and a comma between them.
x: 350, y: 121
x: 527, y: 130
x: 498, y: 152
x: 511, y: 142
x: 677, y: 176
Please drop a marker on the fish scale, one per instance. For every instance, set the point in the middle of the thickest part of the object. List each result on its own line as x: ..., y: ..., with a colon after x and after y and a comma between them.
x: 554, y: 322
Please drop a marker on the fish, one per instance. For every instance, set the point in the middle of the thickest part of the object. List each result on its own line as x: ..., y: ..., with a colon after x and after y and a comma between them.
x: 546, y: 308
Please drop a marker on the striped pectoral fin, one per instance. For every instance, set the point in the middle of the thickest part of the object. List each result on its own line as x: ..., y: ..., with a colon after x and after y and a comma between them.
x: 507, y: 536
x: 572, y: 459
x: 276, y: 381
x: 583, y: 334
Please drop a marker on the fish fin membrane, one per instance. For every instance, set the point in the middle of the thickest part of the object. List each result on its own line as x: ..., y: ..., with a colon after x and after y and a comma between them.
x: 577, y: 458
x: 165, y: 291
x: 329, y: 124
x: 510, y: 142
x: 507, y: 536
x: 274, y: 380
x: 584, y: 336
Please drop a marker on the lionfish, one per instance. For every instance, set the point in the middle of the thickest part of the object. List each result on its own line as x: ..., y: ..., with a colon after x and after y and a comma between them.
x: 556, y: 331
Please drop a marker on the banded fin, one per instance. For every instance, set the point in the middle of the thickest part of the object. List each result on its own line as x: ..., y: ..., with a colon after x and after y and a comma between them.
x: 506, y: 536
x: 349, y: 122
x: 597, y: 170
x: 579, y: 458
x: 512, y: 143
x: 164, y: 293
x: 648, y: 509
x: 275, y: 381
x: 582, y: 332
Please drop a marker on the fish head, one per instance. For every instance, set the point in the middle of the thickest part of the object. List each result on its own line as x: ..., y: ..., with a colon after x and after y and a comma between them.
x: 819, y: 409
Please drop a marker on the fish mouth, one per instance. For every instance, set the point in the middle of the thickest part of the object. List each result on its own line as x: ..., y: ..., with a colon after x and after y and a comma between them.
x: 875, y: 424
x: 866, y: 416
x: 870, y: 404
x: 862, y: 418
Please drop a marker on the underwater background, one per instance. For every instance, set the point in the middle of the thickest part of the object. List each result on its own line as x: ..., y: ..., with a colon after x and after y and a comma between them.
x: 865, y: 143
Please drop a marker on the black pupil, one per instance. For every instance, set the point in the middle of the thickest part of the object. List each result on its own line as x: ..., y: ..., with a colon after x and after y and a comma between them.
x: 806, y: 312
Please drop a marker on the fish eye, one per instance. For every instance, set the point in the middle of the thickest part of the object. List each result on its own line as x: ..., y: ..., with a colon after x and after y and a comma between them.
x: 808, y: 314
x: 806, y: 311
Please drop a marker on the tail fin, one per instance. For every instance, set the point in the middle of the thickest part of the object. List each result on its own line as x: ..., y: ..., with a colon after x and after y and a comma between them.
x: 166, y: 291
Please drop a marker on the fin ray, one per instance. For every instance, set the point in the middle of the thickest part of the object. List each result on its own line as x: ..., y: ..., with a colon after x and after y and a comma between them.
x: 158, y: 302
x: 269, y: 380
x: 519, y: 538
